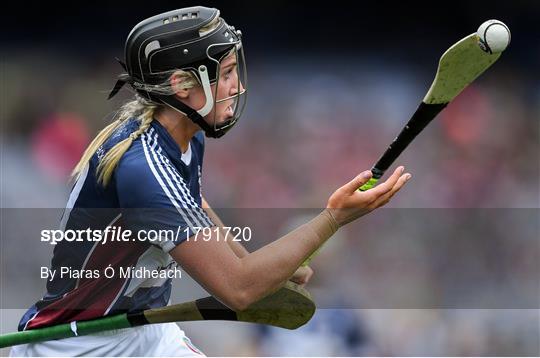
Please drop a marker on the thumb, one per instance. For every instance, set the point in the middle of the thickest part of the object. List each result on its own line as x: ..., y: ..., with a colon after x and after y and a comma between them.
x: 358, y: 181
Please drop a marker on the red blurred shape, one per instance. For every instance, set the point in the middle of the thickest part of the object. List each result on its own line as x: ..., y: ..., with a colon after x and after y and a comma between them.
x: 58, y: 143
x: 465, y: 119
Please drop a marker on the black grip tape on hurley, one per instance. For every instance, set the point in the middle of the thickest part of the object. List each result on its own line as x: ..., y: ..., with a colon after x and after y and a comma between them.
x: 137, y: 319
x: 212, y: 309
x: 420, y: 119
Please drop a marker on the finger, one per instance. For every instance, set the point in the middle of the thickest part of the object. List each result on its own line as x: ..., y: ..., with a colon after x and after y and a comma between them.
x: 302, y: 275
x: 309, y: 274
x: 357, y: 182
x: 397, y: 187
x: 298, y: 280
x: 385, y: 187
x: 399, y: 184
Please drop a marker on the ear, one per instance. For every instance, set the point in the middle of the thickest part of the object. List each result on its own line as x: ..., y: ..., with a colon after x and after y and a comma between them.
x: 176, y: 84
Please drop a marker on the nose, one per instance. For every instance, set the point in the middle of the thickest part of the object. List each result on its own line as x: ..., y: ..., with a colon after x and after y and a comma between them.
x: 234, y: 89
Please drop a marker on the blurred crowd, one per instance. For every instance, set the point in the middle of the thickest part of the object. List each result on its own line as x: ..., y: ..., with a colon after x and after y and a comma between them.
x: 308, y: 129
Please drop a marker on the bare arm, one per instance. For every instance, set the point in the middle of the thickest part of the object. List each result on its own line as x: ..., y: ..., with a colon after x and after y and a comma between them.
x: 236, y: 246
x: 238, y: 282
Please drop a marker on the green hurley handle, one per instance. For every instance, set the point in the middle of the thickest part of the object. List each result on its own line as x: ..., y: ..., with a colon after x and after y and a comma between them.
x: 370, y: 184
x: 65, y: 330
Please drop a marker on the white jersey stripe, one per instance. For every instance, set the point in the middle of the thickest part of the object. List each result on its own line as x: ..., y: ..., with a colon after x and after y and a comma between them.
x: 30, y: 320
x: 182, y: 184
x: 171, y: 185
x: 117, y: 297
x: 183, y: 187
x: 73, y: 196
x: 94, y: 247
x: 167, y: 245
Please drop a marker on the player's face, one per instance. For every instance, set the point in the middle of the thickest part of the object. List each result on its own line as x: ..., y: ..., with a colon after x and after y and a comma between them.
x: 227, y: 86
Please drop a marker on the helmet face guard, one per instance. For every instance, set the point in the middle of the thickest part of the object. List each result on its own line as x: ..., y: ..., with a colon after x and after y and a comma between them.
x: 232, y: 77
x: 172, y: 41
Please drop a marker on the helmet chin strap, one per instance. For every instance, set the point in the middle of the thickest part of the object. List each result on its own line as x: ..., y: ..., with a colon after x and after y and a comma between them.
x: 197, y: 115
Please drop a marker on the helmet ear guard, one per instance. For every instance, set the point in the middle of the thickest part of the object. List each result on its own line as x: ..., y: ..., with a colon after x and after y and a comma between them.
x: 174, y: 41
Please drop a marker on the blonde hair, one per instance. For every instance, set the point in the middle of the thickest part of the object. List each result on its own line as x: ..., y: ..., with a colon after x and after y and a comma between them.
x: 141, y: 109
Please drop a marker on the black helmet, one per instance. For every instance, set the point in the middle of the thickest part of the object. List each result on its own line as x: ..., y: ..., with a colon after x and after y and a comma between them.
x: 174, y: 41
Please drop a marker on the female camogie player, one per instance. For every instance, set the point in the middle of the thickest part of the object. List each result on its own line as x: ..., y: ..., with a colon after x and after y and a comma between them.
x: 143, y: 172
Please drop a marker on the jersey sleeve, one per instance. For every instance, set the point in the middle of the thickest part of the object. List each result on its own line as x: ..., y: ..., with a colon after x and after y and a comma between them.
x: 155, y: 200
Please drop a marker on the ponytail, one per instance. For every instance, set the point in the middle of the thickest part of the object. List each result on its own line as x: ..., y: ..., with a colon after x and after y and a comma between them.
x: 140, y: 108
x: 144, y: 111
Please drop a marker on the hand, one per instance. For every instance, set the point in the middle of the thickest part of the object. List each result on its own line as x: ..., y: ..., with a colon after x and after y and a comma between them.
x: 302, y: 275
x: 348, y: 203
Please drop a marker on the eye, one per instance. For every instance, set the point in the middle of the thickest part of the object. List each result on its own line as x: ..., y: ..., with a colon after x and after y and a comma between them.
x: 227, y: 74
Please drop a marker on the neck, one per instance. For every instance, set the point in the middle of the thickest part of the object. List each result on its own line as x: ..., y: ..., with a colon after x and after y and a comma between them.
x: 181, y: 128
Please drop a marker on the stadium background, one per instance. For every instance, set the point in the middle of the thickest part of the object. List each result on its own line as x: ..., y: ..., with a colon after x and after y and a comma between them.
x: 330, y: 86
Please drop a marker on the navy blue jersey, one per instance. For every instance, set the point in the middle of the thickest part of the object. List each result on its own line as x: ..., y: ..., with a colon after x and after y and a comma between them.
x: 154, y: 187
